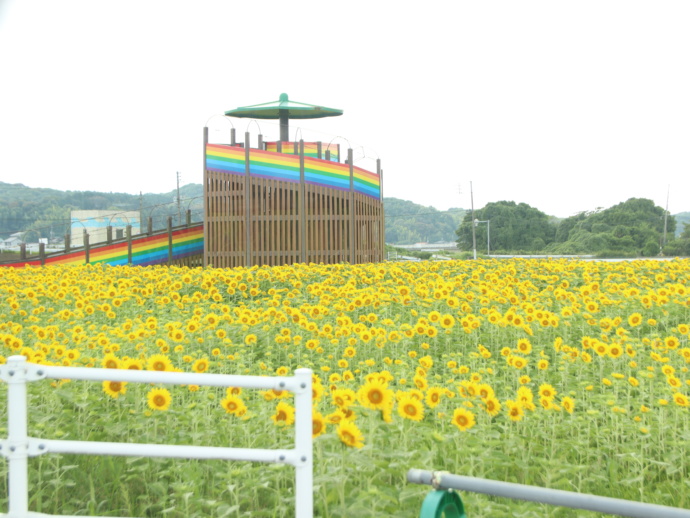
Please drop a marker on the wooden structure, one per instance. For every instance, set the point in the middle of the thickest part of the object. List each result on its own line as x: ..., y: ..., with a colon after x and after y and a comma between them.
x: 263, y: 206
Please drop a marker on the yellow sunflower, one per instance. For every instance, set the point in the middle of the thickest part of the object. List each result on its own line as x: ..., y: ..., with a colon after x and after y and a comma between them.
x: 411, y: 408
x: 115, y: 388
x: 285, y: 414
x: 159, y: 399
x: 463, y: 419
x: 349, y: 434
x: 375, y: 395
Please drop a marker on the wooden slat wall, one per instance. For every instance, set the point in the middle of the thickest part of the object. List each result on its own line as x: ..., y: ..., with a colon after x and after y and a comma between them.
x: 275, y: 223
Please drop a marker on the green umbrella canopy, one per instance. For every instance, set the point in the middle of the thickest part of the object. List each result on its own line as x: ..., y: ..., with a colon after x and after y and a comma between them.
x: 284, y: 109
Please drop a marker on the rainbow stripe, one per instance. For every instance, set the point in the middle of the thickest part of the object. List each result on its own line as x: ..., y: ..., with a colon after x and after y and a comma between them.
x: 367, y: 182
x: 274, y: 166
x: 322, y: 172
x: 146, y: 250
x: 225, y: 159
x: 285, y: 167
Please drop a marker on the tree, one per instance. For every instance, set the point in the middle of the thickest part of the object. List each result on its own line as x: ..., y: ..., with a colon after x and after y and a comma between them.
x: 512, y: 227
x: 633, y: 227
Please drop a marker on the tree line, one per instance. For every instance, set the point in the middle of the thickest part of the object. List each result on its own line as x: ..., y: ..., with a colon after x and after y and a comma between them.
x: 636, y: 227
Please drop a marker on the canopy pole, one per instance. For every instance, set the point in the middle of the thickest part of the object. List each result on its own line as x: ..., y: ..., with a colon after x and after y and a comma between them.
x: 284, y: 132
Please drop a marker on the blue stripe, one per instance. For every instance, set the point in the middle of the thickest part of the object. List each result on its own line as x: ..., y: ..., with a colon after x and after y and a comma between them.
x: 317, y: 178
x: 273, y: 172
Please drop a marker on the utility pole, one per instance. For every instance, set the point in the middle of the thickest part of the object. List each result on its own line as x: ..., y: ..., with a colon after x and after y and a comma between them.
x: 661, y: 249
x: 474, y: 234
x: 179, y: 207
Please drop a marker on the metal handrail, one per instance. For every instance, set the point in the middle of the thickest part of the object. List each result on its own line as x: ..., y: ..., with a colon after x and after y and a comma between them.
x: 18, y: 446
x: 616, y: 506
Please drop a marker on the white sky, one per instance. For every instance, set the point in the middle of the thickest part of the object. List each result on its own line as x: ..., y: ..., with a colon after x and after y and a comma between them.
x: 566, y: 106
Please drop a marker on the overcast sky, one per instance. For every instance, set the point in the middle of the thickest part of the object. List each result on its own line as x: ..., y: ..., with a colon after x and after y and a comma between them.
x: 566, y: 106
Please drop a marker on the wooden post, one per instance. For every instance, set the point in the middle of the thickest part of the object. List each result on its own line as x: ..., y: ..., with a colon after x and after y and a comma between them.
x: 87, y: 249
x: 382, y: 217
x: 352, y: 206
x: 233, y: 141
x: 328, y: 154
x: 302, y: 207
x: 150, y: 226
x: 129, y: 244
x: 261, y: 142
x: 169, y: 240
x: 67, y: 242
x: 247, y: 205
x: 189, y: 218
x: 22, y: 251
x: 318, y: 149
x: 205, y: 180
x: 42, y: 253
x: 109, y: 234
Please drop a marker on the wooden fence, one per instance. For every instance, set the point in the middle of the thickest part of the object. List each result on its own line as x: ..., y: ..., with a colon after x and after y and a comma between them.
x: 272, y: 208
x: 181, y: 246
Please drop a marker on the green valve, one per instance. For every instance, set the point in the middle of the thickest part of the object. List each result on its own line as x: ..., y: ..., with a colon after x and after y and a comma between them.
x: 440, y: 504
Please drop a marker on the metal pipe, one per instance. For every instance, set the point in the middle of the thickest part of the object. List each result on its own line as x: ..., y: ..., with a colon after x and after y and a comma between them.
x: 601, y: 504
x: 164, y: 450
x: 170, y: 378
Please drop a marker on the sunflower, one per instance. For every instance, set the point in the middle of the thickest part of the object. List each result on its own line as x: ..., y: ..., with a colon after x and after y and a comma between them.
x: 524, y: 346
x: 463, y: 419
x: 336, y: 417
x: 349, y: 434
x: 375, y: 395
x: 317, y: 391
x: 680, y: 399
x: 525, y: 398
x: 110, y: 361
x: 493, y: 406
x: 285, y: 414
x: 484, y: 391
x: 159, y: 362
x: 411, y: 408
x: 568, y: 404
x: 233, y: 405
x: 547, y: 391
x: 200, y: 365
x: 447, y: 321
x: 515, y: 411
x: 115, y: 388
x: 634, y: 320
x: 433, y: 396
x: 159, y: 399
x: 318, y: 424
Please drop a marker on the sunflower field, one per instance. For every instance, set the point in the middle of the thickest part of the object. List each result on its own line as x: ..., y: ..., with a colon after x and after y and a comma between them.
x: 565, y: 374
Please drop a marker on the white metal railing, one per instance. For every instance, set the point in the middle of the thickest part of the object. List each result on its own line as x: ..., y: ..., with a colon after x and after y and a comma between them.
x: 18, y: 446
x: 445, y: 481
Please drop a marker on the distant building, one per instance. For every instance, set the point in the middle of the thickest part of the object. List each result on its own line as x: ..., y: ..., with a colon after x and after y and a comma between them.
x: 96, y: 223
x: 13, y: 241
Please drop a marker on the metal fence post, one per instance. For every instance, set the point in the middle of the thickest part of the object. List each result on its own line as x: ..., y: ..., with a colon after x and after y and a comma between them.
x: 17, y: 439
x: 304, y: 465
